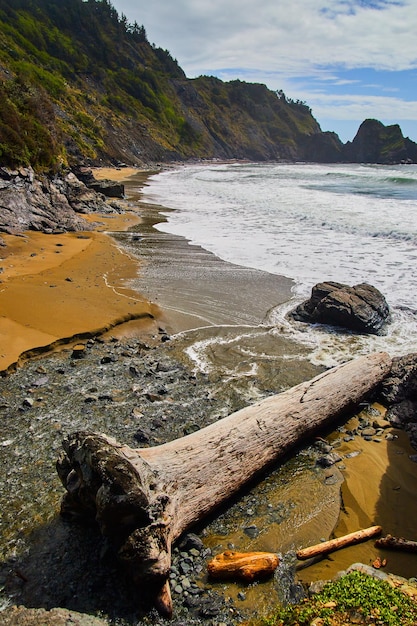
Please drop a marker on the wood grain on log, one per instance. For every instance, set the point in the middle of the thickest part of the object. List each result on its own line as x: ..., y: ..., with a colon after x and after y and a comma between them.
x: 247, y: 566
x: 144, y: 499
x: 340, y: 542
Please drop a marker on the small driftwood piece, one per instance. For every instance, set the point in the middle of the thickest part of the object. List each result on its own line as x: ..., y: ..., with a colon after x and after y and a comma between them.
x: 144, y: 499
x: 396, y: 543
x: 246, y: 566
x: 341, y: 542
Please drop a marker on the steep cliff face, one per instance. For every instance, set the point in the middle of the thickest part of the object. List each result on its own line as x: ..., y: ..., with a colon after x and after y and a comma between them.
x: 376, y: 143
x: 84, y: 85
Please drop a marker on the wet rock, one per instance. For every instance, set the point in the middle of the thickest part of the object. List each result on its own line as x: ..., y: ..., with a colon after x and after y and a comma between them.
x: 351, y: 455
x: 361, y: 308
x: 251, y: 531
x: 40, y: 382
x: 368, y: 432
x: 108, y: 359
x: 399, y: 392
x: 329, y: 459
x: 191, y: 542
x: 78, y: 351
x: 142, y: 436
x: 323, y: 446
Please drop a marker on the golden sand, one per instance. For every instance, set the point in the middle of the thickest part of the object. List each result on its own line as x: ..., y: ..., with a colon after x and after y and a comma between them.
x: 380, y: 488
x: 54, y: 287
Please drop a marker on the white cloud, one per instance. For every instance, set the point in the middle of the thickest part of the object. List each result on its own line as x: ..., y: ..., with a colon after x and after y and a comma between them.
x: 276, y: 35
x: 352, y: 107
x: 295, y: 46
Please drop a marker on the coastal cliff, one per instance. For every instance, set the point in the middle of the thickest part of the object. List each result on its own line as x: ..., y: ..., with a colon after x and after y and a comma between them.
x: 84, y: 86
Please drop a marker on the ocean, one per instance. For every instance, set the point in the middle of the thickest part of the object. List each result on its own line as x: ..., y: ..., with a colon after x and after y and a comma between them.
x: 349, y: 223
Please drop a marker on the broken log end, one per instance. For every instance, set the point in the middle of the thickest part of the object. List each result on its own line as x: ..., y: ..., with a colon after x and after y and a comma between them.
x: 163, y: 601
x: 396, y: 543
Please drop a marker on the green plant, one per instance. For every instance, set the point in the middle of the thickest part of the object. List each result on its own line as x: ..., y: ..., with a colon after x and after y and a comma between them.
x: 355, y: 596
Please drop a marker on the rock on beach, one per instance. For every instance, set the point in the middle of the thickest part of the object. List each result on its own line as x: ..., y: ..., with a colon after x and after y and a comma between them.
x: 361, y: 308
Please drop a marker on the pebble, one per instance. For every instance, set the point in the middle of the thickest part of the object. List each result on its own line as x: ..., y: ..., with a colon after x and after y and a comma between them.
x: 329, y: 459
x: 351, y: 455
x: 368, y: 432
x: 251, y: 531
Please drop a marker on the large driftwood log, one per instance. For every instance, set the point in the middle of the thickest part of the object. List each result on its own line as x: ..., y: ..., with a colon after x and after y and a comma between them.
x: 144, y: 499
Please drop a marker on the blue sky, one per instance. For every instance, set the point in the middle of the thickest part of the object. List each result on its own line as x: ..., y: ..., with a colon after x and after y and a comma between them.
x: 348, y: 59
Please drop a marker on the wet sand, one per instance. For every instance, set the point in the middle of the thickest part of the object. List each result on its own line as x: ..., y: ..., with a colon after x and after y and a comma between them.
x: 193, y: 287
x: 380, y: 488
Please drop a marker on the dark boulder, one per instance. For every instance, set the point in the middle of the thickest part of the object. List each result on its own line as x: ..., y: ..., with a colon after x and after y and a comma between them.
x: 109, y: 188
x: 361, y: 308
x: 399, y: 394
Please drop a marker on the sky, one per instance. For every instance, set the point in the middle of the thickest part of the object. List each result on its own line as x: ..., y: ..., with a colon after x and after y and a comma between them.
x: 349, y: 60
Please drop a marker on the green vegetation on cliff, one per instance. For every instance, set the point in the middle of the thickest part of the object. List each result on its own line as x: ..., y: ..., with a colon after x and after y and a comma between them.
x: 78, y: 82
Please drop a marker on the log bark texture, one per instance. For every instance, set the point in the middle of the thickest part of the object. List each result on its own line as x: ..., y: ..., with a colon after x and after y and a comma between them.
x: 340, y: 542
x: 144, y: 499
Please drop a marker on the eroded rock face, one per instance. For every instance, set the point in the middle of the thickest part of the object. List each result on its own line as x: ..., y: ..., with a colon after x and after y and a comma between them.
x: 109, y: 188
x: 361, y: 308
x: 399, y: 393
x: 28, y: 202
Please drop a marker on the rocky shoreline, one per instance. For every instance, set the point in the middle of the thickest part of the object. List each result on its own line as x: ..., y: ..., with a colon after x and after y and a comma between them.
x: 142, y: 396
x: 52, y: 204
x: 141, y: 393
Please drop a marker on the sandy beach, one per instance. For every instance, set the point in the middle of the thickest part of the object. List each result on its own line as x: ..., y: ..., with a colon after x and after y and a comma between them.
x: 55, y: 287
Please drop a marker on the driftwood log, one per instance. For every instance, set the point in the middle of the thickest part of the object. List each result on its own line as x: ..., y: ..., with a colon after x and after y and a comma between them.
x: 144, y: 499
x: 247, y: 566
x: 340, y: 542
x: 396, y: 543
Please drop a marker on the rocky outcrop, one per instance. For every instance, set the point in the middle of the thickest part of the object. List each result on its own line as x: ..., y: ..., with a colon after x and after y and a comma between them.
x: 399, y: 393
x: 361, y: 308
x: 323, y: 147
x: 29, y: 202
x: 376, y: 143
x: 109, y: 188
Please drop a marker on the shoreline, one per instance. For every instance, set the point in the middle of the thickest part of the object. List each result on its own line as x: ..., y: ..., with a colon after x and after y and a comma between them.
x: 173, y: 271
x: 58, y: 288
x: 109, y: 271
